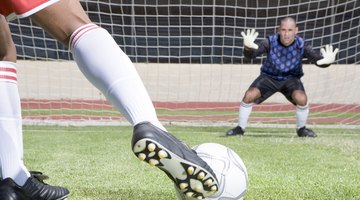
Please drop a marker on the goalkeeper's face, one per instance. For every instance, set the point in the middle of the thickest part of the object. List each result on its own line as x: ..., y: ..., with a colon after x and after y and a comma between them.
x: 287, y: 30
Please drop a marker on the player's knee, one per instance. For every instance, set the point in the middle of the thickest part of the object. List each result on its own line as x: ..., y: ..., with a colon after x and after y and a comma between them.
x: 251, y: 94
x: 300, y: 98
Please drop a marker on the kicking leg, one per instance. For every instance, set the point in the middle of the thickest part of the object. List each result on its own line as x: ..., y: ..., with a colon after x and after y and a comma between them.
x: 108, y: 68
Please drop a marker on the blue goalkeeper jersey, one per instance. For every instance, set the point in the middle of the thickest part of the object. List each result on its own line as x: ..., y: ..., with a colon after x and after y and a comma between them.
x: 282, y: 61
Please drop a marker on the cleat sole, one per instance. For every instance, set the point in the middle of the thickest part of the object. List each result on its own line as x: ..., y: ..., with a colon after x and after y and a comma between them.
x: 192, y: 180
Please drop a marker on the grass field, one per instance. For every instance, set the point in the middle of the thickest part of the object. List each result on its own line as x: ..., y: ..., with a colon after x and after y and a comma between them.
x: 97, y: 162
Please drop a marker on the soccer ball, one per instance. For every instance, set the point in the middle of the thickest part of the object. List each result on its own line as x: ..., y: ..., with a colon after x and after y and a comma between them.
x: 229, y: 169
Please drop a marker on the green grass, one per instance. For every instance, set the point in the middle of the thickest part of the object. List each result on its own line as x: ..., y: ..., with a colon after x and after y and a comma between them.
x: 97, y: 162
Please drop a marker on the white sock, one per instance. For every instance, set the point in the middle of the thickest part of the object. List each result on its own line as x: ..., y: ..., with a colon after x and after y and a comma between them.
x: 302, y: 113
x: 244, y: 114
x: 109, y: 69
x: 11, y: 145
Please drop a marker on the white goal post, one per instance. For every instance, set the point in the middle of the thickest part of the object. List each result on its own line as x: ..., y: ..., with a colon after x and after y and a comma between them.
x: 190, y: 56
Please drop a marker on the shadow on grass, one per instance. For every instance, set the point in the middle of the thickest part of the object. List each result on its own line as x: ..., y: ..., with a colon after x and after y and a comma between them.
x: 276, y: 135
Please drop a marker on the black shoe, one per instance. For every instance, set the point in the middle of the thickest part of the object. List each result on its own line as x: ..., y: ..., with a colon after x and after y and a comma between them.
x: 33, y: 189
x: 7, y: 191
x: 189, y: 172
x: 235, y: 131
x: 305, y: 132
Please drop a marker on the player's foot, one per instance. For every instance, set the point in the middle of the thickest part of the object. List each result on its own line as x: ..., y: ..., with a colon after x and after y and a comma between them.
x: 33, y: 189
x: 305, y: 132
x: 235, y: 131
x: 189, y: 172
x: 7, y: 190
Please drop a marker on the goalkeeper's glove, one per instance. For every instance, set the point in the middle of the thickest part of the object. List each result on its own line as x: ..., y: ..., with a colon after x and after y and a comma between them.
x: 249, y: 38
x: 328, y: 55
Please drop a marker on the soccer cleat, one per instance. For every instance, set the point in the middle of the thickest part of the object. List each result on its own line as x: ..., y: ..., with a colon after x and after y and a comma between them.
x: 183, y: 166
x: 235, y: 131
x: 7, y: 191
x: 33, y: 189
x: 305, y: 132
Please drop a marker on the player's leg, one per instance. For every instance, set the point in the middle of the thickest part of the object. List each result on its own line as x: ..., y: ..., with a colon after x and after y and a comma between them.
x: 100, y: 59
x: 246, y: 104
x: 261, y: 89
x: 7, y: 46
x: 244, y: 111
x: 294, y: 91
x: 302, y: 109
x: 11, y: 147
x: 16, y: 181
x: 112, y: 72
x: 8, y: 54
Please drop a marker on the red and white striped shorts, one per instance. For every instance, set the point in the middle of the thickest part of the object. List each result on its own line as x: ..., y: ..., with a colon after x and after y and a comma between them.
x: 13, y: 9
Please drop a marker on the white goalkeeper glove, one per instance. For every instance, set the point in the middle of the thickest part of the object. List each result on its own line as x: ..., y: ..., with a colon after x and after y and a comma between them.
x: 328, y: 55
x: 249, y: 38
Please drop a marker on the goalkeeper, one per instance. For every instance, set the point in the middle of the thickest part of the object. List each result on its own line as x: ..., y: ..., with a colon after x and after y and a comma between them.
x: 281, y: 72
x: 109, y: 69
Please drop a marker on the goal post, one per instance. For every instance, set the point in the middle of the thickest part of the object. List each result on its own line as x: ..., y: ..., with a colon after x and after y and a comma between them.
x: 189, y: 54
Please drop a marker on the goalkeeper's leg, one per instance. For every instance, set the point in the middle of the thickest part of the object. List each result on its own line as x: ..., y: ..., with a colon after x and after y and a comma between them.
x: 295, y: 93
x: 302, y: 113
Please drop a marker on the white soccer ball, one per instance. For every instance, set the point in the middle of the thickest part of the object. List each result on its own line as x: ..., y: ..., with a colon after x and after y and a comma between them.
x: 229, y: 169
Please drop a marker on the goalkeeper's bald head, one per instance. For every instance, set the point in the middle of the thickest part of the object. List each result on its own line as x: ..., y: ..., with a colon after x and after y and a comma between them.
x: 287, y: 19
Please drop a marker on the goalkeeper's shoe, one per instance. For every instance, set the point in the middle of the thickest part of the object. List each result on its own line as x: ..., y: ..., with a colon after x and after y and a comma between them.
x: 182, y: 165
x: 305, y: 132
x: 33, y: 189
x: 235, y: 131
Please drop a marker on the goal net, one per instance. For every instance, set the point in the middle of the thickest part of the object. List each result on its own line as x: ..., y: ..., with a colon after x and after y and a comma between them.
x: 189, y: 54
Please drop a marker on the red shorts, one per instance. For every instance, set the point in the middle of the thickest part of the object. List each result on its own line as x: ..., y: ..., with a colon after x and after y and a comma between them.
x: 12, y: 9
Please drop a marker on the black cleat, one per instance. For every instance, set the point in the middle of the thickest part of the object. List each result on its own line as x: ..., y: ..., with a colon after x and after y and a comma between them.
x: 183, y: 166
x: 33, y: 189
x: 235, y: 131
x: 7, y: 191
x: 305, y: 132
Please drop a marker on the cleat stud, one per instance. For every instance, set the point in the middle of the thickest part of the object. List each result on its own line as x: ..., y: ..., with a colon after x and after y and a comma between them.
x: 151, y: 147
x: 183, y: 186
x: 198, y: 189
x: 142, y: 156
x: 201, y: 176
x: 151, y: 154
x: 208, y: 182
x: 213, y: 188
x: 189, y: 194
x: 199, y: 197
x: 153, y: 162
x: 162, y: 154
x: 190, y: 170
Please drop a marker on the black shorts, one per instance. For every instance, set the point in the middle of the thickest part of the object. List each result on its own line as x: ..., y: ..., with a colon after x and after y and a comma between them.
x: 269, y: 86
